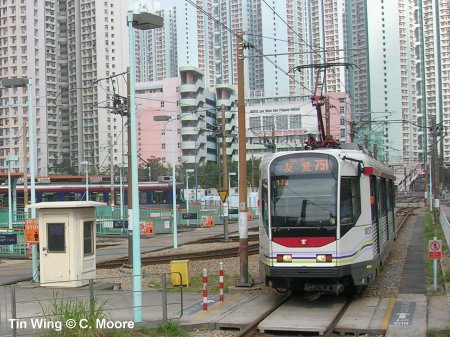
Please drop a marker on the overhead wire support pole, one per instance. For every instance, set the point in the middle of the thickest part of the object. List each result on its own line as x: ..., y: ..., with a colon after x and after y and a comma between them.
x: 129, y: 181
x: 243, y: 210
x: 32, y: 156
x: 225, y: 178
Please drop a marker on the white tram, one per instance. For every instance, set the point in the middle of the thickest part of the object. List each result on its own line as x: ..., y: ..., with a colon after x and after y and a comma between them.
x: 327, y: 219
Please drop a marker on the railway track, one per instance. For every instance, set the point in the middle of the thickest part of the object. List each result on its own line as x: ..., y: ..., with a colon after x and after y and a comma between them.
x: 288, y: 315
x: 253, y: 248
x: 253, y: 329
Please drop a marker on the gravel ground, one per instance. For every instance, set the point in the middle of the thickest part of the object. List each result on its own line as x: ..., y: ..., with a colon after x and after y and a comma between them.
x: 151, y: 274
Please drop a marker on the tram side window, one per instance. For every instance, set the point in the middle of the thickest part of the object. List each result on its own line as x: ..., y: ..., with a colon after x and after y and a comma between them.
x: 350, y: 203
x: 389, y: 199
x: 382, y: 197
x: 159, y: 197
x: 71, y: 196
x: 142, y: 197
x: 49, y: 197
x: 96, y: 196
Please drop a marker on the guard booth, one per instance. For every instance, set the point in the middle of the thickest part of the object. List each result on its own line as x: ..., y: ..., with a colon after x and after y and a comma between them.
x: 67, y: 242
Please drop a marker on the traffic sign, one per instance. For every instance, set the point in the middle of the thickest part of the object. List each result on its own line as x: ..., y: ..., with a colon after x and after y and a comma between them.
x: 435, y: 249
x: 32, y: 230
x: 223, y: 195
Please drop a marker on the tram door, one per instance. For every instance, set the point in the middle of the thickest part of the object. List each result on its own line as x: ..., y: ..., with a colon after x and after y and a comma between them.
x: 374, y: 212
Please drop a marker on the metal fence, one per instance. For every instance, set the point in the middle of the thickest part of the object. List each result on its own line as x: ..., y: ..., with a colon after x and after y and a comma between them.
x: 445, y: 226
x: 110, y: 221
x: 32, y: 309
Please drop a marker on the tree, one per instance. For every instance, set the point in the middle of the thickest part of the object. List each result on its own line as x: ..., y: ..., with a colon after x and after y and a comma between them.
x: 64, y: 167
x: 155, y: 168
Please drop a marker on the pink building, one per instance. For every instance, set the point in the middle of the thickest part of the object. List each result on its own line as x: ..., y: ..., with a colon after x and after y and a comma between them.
x: 340, y: 116
x: 155, y: 138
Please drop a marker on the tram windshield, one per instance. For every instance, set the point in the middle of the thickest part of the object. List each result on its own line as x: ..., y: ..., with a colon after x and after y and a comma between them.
x: 304, y: 193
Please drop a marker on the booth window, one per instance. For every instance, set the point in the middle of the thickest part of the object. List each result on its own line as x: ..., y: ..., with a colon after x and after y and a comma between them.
x: 56, y: 237
x: 88, y: 240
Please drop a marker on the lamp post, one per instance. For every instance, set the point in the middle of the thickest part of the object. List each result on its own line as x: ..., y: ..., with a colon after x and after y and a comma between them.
x: 167, y: 119
x: 85, y: 163
x: 23, y: 82
x: 141, y: 21
x: 10, y: 210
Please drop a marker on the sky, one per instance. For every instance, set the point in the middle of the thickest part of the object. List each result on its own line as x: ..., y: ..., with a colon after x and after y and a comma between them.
x: 155, y: 4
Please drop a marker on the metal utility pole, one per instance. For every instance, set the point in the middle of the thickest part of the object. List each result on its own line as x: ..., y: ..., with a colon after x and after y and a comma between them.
x: 434, y: 168
x: 111, y: 153
x: 243, y: 210
x: 129, y: 172
x: 25, y: 165
x: 274, y: 145
x: 225, y: 177
x: 327, y: 116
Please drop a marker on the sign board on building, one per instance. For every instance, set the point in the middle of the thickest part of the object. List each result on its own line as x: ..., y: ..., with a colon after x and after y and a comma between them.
x: 8, y: 239
x: 189, y: 216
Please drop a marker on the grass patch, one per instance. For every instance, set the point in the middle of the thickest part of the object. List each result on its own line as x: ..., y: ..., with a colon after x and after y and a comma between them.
x: 89, y: 312
x: 170, y: 329
x: 83, y: 314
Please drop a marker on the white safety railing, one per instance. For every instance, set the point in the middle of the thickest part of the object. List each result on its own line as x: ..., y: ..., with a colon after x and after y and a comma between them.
x: 445, y: 225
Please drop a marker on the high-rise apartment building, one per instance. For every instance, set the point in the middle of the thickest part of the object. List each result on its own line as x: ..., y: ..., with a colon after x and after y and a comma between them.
x: 393, y: 67
x: 72, y: 50
x: 432, y: 46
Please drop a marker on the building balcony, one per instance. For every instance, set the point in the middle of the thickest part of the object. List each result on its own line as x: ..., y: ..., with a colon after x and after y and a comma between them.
x: 192, y: 145
x: 189, y: 131
x: 191, y: 87
x: 192, y: 101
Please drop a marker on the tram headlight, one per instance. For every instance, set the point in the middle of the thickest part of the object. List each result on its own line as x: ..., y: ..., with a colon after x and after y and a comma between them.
x: 284, y: 258
x: 323, y: 258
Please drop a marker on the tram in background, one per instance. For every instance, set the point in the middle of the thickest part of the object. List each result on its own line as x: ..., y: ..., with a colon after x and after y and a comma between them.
x: 73, y: 188
x: 327, y: 220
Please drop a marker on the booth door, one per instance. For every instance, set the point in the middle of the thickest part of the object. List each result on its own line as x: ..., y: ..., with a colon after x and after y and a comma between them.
x: 55, y: 252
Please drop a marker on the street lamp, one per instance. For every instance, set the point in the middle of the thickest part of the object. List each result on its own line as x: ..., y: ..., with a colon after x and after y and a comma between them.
x: 141, y: 21
x: 85, y: 163
x: 10, y: 210
x: 23, y: 82
x: 167, y: 119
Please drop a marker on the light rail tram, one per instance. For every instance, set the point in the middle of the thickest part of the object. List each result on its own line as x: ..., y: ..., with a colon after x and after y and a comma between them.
x: 327, y: 220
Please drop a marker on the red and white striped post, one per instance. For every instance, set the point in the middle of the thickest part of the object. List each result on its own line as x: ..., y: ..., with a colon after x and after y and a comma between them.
x: 205, y: 289
x: 221, y: 281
